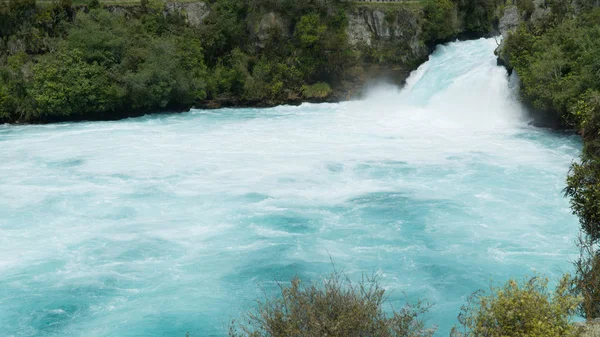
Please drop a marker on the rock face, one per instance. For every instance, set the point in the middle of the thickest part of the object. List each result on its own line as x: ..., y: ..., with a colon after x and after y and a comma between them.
x: 390, y: 41
x: 194, y: 12
x: 359, y: 31
x: 399, y: 30
x: 407, y: 28
x: 510, y: 20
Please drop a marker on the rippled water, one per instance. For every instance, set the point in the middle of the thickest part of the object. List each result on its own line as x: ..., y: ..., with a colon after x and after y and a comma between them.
x: 160, y: 225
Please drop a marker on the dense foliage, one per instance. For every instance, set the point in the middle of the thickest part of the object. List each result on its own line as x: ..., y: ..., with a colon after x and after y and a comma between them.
x: 96, y: 63
x: 558, y: 65
x: 60, y: 63
x: 337, y: 308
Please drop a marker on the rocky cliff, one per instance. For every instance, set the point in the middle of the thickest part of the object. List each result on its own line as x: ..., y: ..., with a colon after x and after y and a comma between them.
x: 510, y: 20
x: 399, y: 29
x: 194, y: 12
x: 388, y: 35
x: 387, y: 39
x: 387, y: 42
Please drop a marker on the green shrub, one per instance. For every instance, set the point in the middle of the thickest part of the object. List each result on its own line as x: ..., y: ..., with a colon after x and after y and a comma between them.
x: 317, y: 90
x: 310, y: 30
x: 64, y: 84
x: 526, y: 309
x: 336, y: 308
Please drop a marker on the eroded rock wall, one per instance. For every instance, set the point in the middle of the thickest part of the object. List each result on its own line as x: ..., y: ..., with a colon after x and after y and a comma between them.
x: 397, y: 31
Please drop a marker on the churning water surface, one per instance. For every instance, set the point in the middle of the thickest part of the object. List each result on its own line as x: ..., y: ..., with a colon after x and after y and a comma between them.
x: 164, y: 224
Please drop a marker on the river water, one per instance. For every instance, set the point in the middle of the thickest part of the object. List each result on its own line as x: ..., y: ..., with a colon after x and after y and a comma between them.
x: 159, y: 225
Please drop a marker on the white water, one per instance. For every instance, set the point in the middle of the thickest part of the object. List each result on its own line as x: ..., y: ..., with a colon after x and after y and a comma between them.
x: 165, y: 224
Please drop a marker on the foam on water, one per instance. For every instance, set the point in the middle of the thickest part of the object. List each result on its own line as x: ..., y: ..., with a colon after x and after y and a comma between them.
x: 159, y: 225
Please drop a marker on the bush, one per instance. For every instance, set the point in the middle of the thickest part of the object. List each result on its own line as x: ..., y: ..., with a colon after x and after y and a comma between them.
x: 317, y: 90
x: 335, y: 307
x: 527, y: 309
x: 64, y: 85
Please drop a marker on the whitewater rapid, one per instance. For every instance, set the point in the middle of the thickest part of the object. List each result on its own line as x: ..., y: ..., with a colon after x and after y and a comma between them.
x: 164, y: 224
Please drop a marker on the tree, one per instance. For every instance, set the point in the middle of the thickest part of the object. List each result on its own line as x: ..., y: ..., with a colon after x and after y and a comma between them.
x: 310, y: 30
